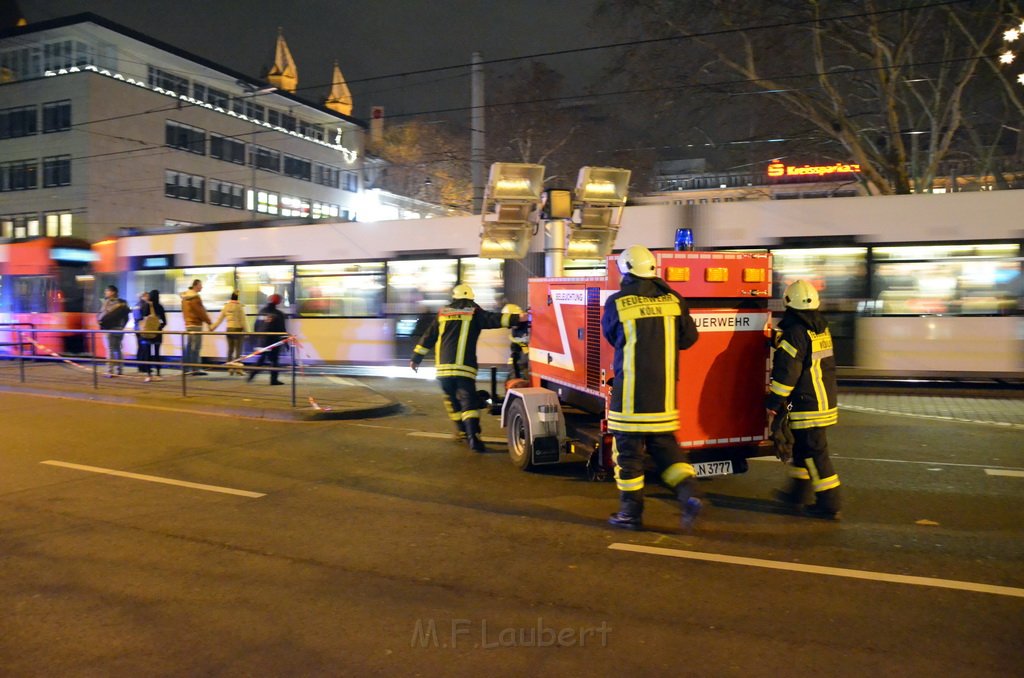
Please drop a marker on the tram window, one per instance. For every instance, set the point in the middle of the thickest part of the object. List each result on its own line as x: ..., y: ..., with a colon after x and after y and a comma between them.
x: 585, y: 268
x: 950, y: 279
x: 838, y: 273
x: 486, y: 278
x: 349, y: 290
x: 419, y: 286
x: 32, y: 293
x: 257, y: 283
x: 164, y: 280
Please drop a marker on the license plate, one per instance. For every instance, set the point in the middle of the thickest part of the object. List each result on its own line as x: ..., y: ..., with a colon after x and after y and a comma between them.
x: 713, y: 468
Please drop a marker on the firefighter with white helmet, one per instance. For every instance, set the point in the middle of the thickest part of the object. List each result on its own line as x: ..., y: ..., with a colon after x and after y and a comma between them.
x: 647, y: 323
x: 453, y: 335
x: 804, y: 380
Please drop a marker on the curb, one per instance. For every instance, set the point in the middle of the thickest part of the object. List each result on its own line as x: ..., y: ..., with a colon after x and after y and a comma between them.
x: 296, y: 415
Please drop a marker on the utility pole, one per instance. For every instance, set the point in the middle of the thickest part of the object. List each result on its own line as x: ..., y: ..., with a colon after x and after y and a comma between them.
x: 477, y: 137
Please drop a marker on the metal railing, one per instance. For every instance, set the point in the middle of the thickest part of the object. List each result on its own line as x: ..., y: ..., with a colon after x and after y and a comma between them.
x: 29, y: 336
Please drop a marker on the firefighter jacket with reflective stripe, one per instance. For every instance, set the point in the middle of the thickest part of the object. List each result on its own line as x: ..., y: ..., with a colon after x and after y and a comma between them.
x: 453, y: 335
x: 647, y: 323
x: 804, y: 370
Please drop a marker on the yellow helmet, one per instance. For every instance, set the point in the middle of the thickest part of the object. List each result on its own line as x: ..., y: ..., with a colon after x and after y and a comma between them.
x: 511, y: 308
x: 801, y: 296
x: 639, y: 261
x: 462, y: 291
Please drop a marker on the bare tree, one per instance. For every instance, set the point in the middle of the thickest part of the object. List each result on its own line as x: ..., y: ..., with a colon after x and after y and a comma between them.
x: 427, y: 160
x: 884, y: 82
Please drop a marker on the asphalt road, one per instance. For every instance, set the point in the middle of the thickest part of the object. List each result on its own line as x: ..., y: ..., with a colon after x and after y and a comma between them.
x: 378, y: 547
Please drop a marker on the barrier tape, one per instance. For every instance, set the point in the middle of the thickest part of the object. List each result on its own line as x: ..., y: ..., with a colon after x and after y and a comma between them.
x: 237, y: 362
x: 47, y: 349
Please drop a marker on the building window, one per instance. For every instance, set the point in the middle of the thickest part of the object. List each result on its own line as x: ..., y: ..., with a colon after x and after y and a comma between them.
x: 351, y: 182
x: 58, y: 224
x: 57, y: 171
x: 226, y: 194
x: 294, y: 207
x: 17, y: 122
x: 288, y: 122
x: 209, y: 95
x: 185, y: 137
x: 323, y: 210
x: 226, y: 148
x: 264, y: 158
x: 184, y: 186
x: 299, y: 168
x: 56, y: 116
x: 19, y: 175
x: 167, y: 81
x: 325, y: 175
x: 18, y: 226
x: 254, y: 110
x: 274, y: 117
x: 263, y: 202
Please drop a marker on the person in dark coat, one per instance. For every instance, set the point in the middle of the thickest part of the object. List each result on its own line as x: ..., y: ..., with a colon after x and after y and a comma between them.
x: 156, y: 342
x: 271, y: 320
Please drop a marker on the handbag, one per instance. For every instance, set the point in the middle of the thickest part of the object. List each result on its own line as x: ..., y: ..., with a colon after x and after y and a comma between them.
x: 150, y: 325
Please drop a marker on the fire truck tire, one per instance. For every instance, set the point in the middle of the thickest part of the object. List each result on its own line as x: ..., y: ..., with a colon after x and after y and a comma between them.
x: 520, y: 438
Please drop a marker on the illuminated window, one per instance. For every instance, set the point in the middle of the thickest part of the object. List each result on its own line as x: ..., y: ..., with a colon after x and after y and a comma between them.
x: 420, y: 286
x: 294, y: 207
x: 325, y: 210
x: 257, y: 283
x: 57, y: 224
x: 346, y: 290
x: 838, y: 273
x: 486, y: 277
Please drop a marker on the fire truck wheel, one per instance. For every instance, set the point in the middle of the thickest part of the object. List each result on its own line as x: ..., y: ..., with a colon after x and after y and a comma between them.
x: 520, y: 440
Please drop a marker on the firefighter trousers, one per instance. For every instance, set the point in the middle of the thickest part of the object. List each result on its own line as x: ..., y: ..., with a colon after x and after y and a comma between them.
x: 628, y: 454
x: 812, y: 464
x: 460, y: 403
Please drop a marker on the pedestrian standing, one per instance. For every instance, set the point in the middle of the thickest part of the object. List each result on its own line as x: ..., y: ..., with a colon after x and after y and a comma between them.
x: 647, y: 323
x: 804, y: 380
x: 156, y: 343
x: 453, y: 335
x: 195, y: 317
x: 271, y: 320
x: 113, y: 315
x: 234, y: 313
x: 142, y: 310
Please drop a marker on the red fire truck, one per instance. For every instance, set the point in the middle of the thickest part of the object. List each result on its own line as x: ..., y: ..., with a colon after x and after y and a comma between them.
x: 561, y: 416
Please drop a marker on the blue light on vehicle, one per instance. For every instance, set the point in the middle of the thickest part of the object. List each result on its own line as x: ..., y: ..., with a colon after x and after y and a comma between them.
x: 684, y: 239
x: 72, y: 255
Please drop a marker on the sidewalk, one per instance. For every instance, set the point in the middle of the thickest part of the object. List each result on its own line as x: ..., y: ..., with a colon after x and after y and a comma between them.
x: 317, y: 397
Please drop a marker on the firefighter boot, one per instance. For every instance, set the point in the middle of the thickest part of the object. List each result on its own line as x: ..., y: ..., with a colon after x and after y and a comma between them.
x: 473, y: 435
x: 795, y: 494
x: 631, y: 510
x: 825, y: 506
x: 689, y: 505
x: 460, y: 432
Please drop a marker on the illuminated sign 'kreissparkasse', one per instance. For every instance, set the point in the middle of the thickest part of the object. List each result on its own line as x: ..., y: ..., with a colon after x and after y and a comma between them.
x: 779, y: 170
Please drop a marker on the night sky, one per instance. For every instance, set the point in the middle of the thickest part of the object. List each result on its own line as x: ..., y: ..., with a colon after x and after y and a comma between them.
x: 368, y: 39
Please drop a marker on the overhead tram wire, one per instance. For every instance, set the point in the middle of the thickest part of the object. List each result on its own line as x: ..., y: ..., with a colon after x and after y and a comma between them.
x: 580, y: 50
x: 573, y: 97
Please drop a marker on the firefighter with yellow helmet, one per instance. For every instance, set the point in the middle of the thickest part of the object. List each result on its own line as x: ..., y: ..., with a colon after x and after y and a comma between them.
x: 804, y: 380
x: 519, y: 343
x: 647, y: 323
x: 453, y: 336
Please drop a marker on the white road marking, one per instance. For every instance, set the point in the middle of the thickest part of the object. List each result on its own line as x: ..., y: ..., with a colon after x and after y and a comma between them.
x: 448, y: 436
x: 343, y: 381
x: 1004, y: 472
x: 155, y: 479
x: 820, y: 569
x: 937, y: 417
x: 1012, y: 471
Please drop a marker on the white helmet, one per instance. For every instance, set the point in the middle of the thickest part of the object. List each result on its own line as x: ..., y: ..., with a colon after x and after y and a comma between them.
x: 802, y: 296
x: 639, y: 261
x: 462, y: 291
x: 511, y: 308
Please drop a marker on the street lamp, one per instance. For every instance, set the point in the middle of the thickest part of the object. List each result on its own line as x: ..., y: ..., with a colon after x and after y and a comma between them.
x: 511, y: 201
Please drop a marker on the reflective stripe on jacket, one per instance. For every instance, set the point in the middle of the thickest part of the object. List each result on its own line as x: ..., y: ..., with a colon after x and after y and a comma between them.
x: 647, y: 324
x: 804, y: 370
x: 453, y: 335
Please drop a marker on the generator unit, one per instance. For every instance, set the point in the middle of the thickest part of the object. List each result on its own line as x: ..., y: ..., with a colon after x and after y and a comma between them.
x: 562, y: 416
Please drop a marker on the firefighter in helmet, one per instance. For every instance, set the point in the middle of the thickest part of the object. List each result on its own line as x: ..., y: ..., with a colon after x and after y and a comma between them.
x: 453, y: 334
x: 804, y: 380
x: 647, y: 323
